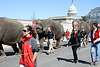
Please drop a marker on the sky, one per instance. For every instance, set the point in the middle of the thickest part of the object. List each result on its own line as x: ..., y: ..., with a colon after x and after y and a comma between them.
x: 43, y: 9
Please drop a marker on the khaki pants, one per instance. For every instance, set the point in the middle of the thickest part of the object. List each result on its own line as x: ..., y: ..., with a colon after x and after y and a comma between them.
x: 51, y: 46
x: 67, y: 37
x: 83, y: 42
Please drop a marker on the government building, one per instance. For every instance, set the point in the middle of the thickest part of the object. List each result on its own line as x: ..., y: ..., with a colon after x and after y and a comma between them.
x: 66, y: 21
x: 94, y: 15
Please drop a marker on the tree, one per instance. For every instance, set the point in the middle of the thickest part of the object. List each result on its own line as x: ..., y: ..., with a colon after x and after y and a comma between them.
x: 84, y: 19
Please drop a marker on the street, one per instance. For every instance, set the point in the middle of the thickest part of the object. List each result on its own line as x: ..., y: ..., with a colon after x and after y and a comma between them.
x: 62, y: 57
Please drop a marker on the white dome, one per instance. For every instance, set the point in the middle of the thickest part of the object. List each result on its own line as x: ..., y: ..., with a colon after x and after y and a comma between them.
x: 72, y: 11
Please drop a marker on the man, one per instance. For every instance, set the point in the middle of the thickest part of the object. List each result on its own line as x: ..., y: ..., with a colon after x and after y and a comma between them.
x: 50, y: 39
x: 67, y: 34
x: 83, y: 38
x: 94, y: 37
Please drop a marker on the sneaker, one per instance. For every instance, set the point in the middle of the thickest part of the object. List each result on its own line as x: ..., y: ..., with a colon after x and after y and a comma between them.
x: 92, y: 63
x: 76, y: 61
x: 96, y: 64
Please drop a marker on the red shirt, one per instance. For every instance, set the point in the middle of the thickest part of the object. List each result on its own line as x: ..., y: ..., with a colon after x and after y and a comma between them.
x: 67, y: 33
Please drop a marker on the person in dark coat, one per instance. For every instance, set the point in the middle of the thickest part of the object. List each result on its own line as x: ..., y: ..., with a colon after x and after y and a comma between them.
x: 83, y: 37
x: 74, y: 42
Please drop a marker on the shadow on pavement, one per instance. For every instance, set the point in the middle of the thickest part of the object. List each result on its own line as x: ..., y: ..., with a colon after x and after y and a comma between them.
x: 71, y: 60
x: 83, y: 62
x: 68, y: 60
x: 9, y: 53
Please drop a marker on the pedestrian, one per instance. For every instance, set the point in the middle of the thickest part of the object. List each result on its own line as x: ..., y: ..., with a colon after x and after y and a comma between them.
x: 75, y: 43
x: 29, y: 48
x: 51, y: 39
x: 67, y: 34
x: 83, y: 37
x: 94, y: 37
x: 63, y: 38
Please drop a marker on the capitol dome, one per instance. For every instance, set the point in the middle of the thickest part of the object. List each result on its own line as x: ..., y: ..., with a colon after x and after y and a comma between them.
x: 72, y: 12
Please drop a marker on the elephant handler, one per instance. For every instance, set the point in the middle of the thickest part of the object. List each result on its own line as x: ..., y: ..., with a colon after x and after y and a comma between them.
x: 29, y: 48
x: 75, y: 43
x: 50, y: 40
x: 83, y: 37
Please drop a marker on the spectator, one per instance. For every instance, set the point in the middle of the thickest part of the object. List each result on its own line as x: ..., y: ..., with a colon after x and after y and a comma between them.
x: 83, y: 37
x: 67, y: 34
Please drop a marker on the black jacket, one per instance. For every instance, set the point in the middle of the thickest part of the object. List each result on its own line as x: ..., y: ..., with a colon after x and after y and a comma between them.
x: 50, y: 35
x: 75, y: 40
x: 83, y: 34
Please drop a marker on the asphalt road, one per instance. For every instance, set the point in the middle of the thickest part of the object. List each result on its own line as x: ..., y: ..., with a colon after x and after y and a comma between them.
x: 62, y: 57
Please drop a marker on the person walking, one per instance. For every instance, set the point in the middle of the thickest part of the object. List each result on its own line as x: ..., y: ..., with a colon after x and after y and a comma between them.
x: 94, y: 37
x: 75, y: 43
x: 67, y: 34
x: 29, y: 48
x: 50, y: 40
x: 83, y: 37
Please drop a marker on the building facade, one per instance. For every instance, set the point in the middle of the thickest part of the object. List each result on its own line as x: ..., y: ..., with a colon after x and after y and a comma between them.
x: 94, y: 15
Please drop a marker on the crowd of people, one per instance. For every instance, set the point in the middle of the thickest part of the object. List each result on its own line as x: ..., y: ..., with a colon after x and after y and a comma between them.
x: 76, y: 40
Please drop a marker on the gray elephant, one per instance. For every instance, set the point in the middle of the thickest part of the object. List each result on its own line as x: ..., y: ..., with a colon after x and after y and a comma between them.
x: 81, y: 24
x: 42, y: 31
x: 10, y: 34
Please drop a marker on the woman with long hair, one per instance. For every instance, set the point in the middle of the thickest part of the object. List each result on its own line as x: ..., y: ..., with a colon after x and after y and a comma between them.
x: 75, y: 43
x: 29, y: 48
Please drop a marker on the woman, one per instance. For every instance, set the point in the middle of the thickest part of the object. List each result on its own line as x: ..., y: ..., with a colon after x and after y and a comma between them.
x: 75, y: 43
x: 29, y: 48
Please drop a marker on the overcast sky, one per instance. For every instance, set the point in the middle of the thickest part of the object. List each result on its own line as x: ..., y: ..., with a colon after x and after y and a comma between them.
x: 43, y: 9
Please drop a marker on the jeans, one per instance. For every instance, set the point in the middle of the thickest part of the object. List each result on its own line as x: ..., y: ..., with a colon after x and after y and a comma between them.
x: 93, y: 48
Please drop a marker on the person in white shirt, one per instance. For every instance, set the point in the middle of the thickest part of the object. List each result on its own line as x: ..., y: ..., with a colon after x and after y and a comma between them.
x: 94, y: 37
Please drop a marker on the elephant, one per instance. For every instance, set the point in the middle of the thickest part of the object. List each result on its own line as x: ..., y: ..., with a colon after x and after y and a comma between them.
x: 79, y: 25
x: 10, y: 34
x: 41, y: 27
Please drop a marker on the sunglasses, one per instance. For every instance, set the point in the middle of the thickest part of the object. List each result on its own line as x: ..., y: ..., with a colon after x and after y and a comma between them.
x: 24, y: 31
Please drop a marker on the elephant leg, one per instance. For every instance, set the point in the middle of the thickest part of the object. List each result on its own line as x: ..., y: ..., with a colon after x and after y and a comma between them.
x: 58, y: 44
x: 2, y: 53
x: 16, y: 50
x: 41, y: 44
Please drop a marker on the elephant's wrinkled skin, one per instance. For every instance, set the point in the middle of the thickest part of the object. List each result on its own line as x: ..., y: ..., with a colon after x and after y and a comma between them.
x: 42, y: 30
x: 10, y: 34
